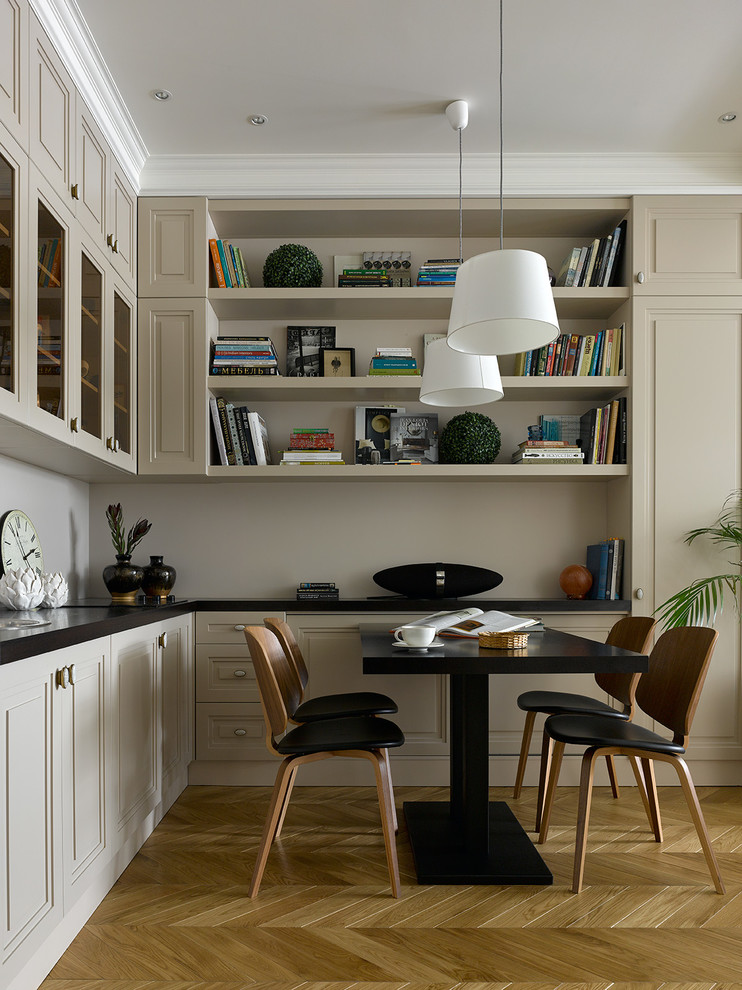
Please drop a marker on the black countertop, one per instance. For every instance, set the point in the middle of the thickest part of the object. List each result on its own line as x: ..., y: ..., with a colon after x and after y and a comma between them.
x: 89, y: 619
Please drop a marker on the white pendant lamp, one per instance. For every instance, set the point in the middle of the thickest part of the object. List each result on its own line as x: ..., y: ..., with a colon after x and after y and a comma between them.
x: 451, y: 378
x: 502, y: 300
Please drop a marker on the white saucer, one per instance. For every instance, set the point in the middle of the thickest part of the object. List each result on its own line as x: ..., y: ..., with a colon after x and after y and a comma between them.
x: 418, y: 649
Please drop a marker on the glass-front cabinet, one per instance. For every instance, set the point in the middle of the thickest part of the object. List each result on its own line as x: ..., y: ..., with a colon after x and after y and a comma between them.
x: 51, y: 319
x: 91, y: 383
x: 123, y: 372
x: 13, y: 241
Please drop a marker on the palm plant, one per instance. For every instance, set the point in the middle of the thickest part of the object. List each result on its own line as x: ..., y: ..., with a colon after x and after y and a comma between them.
x: 703, y: 599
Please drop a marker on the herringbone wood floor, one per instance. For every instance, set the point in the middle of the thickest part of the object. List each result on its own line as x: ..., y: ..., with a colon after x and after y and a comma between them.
x: 179, y: 917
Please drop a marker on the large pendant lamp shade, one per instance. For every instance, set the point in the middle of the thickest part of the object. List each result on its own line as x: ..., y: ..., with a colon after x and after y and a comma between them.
x: 502, y: 304
x: 451, y: 378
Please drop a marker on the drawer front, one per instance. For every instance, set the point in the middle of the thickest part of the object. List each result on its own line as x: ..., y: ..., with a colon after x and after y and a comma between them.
x: 227, y: 627
x: 230, y: 732
x: 225, y: 673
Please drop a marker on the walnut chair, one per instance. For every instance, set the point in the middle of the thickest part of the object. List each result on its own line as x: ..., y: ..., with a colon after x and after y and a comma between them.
x: 669, y: 693
x: 629, y: 633
x: 364, y: 737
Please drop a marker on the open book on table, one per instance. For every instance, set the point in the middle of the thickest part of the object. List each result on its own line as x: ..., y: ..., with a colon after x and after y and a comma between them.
x: 469, y: 622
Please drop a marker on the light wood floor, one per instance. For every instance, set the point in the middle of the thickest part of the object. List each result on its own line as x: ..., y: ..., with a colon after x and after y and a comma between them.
x: 179, y: 918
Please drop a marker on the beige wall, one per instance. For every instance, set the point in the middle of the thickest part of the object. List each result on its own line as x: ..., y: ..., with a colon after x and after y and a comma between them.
x: 237, y: 540
x: 59, y: 508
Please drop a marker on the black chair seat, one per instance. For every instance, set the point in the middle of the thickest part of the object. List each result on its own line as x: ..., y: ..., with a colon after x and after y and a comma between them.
x: 559, y: 702
x: 332, y: 735
x: 597, y: 730
x: 351, y: 704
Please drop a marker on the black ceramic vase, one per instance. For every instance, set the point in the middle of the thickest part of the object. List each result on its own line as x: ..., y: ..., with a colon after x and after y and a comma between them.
x: 123, y: 579
x: 158, y: 579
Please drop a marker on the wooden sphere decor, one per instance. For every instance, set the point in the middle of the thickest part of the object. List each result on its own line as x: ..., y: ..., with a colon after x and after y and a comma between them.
x: 575, y: 581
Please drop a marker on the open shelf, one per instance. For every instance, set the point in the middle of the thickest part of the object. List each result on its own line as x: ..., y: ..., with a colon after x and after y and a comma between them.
x: 421, y: 474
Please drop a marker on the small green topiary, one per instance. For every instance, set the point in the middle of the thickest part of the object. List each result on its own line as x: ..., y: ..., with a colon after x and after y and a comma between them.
x: 469, y: 438
x: 292, y: 266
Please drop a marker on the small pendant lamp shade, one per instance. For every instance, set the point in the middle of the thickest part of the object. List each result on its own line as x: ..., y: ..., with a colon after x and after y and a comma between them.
x: 502, y: 304
x: 451, y: 378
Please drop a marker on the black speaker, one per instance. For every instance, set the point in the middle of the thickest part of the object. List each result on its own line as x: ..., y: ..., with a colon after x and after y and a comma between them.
x: 437, y: 580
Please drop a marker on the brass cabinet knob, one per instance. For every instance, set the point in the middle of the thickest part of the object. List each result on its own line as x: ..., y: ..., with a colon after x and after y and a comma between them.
x: 63, y: 677
x: 75, y: 191
x: 162, y: 640
x: 74, y: 424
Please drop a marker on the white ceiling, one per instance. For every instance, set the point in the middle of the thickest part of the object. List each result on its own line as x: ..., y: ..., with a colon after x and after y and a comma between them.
x: 351, y: 78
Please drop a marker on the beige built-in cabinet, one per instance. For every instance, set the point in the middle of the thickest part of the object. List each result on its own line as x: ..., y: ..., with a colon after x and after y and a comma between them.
x: 67, y: 267
x: 95, y: 746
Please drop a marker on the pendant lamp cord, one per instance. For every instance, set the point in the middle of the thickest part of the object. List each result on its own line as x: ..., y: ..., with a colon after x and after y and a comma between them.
x: 461, y: 202
x: 501, y: 141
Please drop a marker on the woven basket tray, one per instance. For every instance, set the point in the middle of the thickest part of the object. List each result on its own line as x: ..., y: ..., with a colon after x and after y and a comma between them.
x: 503, y: 640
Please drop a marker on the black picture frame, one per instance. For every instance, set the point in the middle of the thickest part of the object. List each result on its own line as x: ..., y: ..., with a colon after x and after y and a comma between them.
x: 337, y: 362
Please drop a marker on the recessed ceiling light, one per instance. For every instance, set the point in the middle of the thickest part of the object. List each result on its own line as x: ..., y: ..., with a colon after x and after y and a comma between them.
x: 727, y: 118
x: 162, y: 95
x: 258, y: 119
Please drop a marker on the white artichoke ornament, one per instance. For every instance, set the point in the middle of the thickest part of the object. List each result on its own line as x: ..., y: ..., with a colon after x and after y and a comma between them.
x: 21, y: 589
x: 55, y: 589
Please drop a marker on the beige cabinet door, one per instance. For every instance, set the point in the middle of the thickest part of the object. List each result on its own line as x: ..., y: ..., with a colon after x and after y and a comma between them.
x: 91, y: 177
x: 176, y: 658
x: 121, y: 237
x: 14, y: 18
x: 85, y: 718
x: 687, y: 245
x: 688, y: 433
x: 173, y: 353
x: 30, y: 860
x: 53, y: 96
x: 173, y: 248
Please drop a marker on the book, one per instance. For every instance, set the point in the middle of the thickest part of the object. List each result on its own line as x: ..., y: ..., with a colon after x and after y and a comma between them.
x: 315, y: 585
x: 587, y: 354
x: 243, y: 369
x: 574, y: 343
x: 242, y: 413
x: 229, y: 257
x: 216, y: 261
x: 261, y: 443
x: 217, y: 425
x: 596, y: 561
x: 232, y: 426
x: 611, y: 269
x: 414, y: 437
x: 467, y: 623
x: 565, y: 454
x: 590, y: 264
x: 615, y: 588
x: 311, y: 455
x: 303, y: 345
x: 612, y: 426
x: 566, y: 274
x: 225, y: 267
x: 588, y: 424
x: 372, y: 433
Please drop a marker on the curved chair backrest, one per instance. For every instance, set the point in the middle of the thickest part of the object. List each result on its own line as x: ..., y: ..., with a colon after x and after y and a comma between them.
x: 275, y: 677
x: 633, y: 632
x: 291, y: 648
x: 670, y: 690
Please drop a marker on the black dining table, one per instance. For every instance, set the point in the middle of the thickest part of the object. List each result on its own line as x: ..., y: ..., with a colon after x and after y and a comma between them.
x: 470, y: 839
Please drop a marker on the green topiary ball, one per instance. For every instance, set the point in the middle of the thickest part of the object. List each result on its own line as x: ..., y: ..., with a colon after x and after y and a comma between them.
x: 292, y: 266
x: 469, y: 438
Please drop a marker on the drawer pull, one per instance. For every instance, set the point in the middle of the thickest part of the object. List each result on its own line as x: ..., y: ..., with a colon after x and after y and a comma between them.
x: 240, y: 627
x: 240, y: 673
x: 240, y: 732
x: 162, y: 640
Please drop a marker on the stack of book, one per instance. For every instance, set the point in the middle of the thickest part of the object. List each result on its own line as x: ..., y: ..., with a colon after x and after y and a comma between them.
x: 364, y: 278
x: 311, y: 445
x: 603, y: 432
x: 599, y: 353
x: 594, y: 264
x: 241, y: 435
x: 604, y: 560
x: 393, y: 361
x: 547, y: 452
x: 244, y: 356
x: 229, y: 265
x: 308, y: 590
x: 438, y: 271
x: 50, y: 262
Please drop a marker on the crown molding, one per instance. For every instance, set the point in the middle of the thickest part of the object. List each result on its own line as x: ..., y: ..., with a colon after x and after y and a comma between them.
x: 437, y: 175
x: 68, y: 32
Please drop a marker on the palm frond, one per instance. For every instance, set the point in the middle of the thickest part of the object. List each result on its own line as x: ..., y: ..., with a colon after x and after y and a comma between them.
x: 699, y: 603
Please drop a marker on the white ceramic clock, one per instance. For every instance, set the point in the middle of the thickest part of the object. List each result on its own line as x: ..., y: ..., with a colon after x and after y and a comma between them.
x: 19, y: 543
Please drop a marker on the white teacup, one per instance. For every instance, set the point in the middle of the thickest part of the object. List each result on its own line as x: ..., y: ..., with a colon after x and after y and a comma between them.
x: 418, y: 636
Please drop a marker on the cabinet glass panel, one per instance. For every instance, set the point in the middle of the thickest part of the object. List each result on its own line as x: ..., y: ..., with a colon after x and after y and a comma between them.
x: 7, y: 330
x: 91, y: 349
x: 50, y: 314
x: 122, y: 373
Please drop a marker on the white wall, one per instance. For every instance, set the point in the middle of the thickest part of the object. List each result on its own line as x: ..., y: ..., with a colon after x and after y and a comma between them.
x: 242, y: 540
x: 59, y: 508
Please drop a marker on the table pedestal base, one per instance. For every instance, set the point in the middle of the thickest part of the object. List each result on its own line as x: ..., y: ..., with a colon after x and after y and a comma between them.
x: 440, y: 857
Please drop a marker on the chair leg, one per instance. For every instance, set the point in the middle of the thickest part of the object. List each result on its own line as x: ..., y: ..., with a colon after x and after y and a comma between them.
x: 698, y: 820
x: 524, y: 747
x: 612, y: 775
x: 285, y: 806
x: 384, y: 756
x: 386, y: 805
x: 547, y: 745
x: 642, y: 785
x: 653, y: 802
x: 583, y: 817
x: 284, y: 777
x: 556, y: 764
